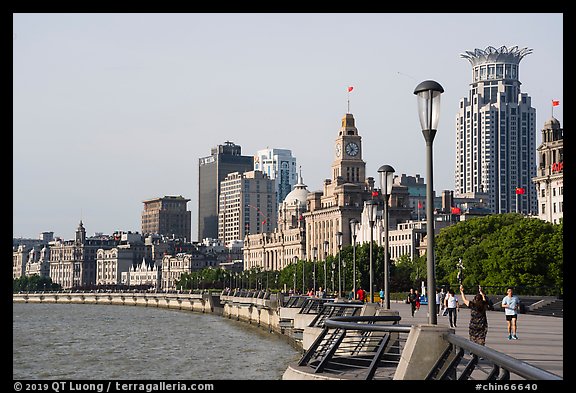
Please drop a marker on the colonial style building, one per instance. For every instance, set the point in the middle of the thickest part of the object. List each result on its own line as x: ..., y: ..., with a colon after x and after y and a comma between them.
x: 39, y: 262
x: 343, y: 196
x: 549, y: 180
x: 173, y: 266
x: 286, y: 244
x: 144, y: 274
x: 73, y: 262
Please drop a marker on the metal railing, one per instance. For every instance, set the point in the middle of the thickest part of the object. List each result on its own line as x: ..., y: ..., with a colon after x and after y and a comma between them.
x: 370, y: 347
x: 330, y: 310
x: 357, y: 347
x: 466, y: 360
x: 313, y: 305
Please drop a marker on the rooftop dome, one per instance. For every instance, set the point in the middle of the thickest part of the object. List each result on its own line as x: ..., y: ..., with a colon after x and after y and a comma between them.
x: 297, y: 195
x: 552, y: 123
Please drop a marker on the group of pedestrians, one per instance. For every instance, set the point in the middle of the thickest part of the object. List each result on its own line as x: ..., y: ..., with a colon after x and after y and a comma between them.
x: 448, y: 305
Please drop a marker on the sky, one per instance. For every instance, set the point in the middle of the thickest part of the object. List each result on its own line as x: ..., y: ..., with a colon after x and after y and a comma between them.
x: 111, y: 109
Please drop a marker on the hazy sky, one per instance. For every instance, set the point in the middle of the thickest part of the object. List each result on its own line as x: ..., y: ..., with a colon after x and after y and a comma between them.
x: 113, y: 109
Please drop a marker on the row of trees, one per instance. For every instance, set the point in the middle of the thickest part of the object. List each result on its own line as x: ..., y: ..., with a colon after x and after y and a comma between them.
x: 34, y: 283
x: 497, y: 251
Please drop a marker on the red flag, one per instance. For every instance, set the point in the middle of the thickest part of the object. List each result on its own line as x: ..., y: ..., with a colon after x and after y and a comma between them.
x: 555, y: 103
x: 419, y: 205
x: 456, y: 210
x: 520, y: 190
x: 350, y: 88
x: 374, y: 193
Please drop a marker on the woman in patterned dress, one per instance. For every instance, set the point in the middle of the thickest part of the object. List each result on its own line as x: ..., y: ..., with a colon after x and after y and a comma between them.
x: 478, y: 327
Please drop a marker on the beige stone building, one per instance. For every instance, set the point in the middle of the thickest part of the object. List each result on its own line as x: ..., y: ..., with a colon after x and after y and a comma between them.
x: 329, y: 211
x: 549, y: 179
x: 286, y: 244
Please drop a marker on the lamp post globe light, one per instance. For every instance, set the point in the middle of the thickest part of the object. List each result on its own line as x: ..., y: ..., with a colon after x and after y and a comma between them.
x: 372, y: 211
x: 386, y: 180
x: 428, y: 96
x: 325, y: 259
x: 339, y: 242
x: 353, y: 228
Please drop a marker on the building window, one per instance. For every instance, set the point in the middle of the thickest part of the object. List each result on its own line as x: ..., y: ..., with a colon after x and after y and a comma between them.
x: 543, y: 210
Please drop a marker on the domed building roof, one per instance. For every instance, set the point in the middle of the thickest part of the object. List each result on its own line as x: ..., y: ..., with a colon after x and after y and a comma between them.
x: 297, y: 195
x: 552, y: 123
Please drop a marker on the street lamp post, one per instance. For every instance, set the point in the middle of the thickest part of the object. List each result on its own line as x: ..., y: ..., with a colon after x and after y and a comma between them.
x: 344, y: 277
x: 353, y: 223
x: 295, y: 259
x: 315, y: 255
x: 386, y: 180
x: 325, y: 260
x: 339, y: 242
x: 428, y: 93
x: 372, y: 211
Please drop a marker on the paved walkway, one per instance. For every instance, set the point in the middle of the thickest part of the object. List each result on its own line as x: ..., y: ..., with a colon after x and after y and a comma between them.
x: 540, y: 339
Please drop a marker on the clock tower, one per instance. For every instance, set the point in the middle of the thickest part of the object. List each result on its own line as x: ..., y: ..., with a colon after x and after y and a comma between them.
x: 348, y: 163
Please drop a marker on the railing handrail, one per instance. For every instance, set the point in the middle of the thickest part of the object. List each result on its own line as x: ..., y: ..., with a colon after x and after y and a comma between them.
x: 506, y: 362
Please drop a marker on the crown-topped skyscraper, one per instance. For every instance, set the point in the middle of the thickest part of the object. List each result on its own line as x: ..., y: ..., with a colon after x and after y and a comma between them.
x: 496, y: 133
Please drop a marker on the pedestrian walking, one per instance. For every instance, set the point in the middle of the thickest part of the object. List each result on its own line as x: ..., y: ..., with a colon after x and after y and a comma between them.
x: 511, y: 304
x: 411, y: 299
x: 438, y: 301
x: 451, y: 303
x: 381, y: 298
x: 417, y: 300
x: 478, y: 326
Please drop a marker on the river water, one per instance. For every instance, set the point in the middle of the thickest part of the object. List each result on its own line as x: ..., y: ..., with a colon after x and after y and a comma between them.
x: 107, y: 342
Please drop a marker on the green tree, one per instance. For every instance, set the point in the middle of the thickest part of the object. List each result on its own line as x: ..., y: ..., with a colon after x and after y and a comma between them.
x: 502, y: 250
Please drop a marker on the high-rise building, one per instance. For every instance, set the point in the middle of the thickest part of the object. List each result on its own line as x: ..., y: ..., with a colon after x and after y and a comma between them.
x: 167, y: 216
x: 247, y: 205
x: 549, y: 180
x: 280, y: 166
x: 223, y: 159
x: 496, y: 133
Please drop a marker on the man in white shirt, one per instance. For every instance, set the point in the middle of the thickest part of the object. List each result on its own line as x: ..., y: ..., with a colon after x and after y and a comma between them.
x: 510, y: 304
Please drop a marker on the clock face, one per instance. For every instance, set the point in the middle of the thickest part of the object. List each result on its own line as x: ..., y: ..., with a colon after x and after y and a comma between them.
x: 338, y: 150
x: 352, y: 149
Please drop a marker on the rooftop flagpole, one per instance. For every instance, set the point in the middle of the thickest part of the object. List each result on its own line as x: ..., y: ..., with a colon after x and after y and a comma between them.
x: 350, y: 88
x: 554, y: 103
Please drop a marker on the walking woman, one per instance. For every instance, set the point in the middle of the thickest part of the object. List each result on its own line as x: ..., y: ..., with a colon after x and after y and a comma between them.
x: 478, y: 327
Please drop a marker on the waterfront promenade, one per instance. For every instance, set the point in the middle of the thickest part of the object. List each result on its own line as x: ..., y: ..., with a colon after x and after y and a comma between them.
x: 540, y: 343
x: 541, y: 340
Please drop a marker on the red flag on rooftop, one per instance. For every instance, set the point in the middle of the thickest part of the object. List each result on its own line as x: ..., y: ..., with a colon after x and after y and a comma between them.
x: 520, y: 190
x: 555, y: 102
x: 456, y: 210
x: 350, y: 88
